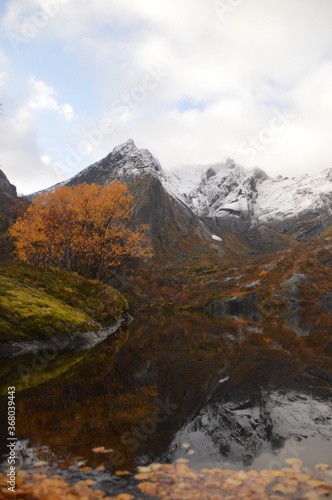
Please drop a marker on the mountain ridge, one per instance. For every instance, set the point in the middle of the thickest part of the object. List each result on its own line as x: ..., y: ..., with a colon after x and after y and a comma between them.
x: 217, y: 202
x: 226, y: 196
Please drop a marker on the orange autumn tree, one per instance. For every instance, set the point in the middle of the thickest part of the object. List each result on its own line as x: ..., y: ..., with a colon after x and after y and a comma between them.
x: 82, y: 228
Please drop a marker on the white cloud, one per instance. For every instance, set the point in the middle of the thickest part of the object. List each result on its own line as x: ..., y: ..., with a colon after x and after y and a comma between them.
x: 226, y: 77
x: 20, y: 142
x: 43, y: 97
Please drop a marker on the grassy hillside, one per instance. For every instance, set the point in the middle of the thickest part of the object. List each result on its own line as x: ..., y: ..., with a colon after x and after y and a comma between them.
x: 36, y: 302
x: 200, y: 282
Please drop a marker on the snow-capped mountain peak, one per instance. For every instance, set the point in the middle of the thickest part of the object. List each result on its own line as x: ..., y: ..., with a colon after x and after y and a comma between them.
x: 125, y: 163
x: 225, y: 195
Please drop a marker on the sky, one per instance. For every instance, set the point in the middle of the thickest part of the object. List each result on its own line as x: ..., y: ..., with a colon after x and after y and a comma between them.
x: 193, y: 81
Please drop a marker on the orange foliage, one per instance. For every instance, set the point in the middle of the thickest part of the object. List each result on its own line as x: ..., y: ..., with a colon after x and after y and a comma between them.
x: 81, y: 228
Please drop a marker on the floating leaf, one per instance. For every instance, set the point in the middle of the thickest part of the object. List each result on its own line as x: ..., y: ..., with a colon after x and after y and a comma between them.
x: 101, y: 449
x: 322, y: 466
x: 294, y: 461
x: 284, y: 488
x: 122, y: 473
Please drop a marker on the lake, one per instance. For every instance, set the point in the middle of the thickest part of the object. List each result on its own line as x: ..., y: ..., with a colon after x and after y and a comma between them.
x: 228, y: 391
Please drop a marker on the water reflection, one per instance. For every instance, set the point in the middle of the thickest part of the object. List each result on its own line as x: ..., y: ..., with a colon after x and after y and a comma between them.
x: 148, y: 389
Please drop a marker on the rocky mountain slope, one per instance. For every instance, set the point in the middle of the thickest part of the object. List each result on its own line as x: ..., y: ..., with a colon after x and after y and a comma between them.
x: 8, y: 195
x: 210, y: 206
x: 7, y: 189
x: 228, y: 196
x: 173, y: 225
x: 9, y: 205
x: 225, y: 196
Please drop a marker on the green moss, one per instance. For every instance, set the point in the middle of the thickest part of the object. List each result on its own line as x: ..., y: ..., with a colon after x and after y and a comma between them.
x: 37, y: 302
x: 27, y: 377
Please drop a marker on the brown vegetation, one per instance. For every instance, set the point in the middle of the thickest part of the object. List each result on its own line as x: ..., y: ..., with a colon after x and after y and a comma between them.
x: 81, y: 228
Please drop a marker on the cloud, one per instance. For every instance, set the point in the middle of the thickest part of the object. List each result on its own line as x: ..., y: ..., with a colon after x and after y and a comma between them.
x: 227, y: 77
x: 43, y: 97
x: 20, y: 139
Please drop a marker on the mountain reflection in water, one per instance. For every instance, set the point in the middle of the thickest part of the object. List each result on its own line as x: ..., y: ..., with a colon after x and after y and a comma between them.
x: 236, y: 392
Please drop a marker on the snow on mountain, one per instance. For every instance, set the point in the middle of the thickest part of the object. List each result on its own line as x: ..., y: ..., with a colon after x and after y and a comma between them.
x: 222, y: 188
x: 283, y: 197
x: 225, y: 189
x: 238, y: 198
x: 232, y: 196
x: 125, y: 163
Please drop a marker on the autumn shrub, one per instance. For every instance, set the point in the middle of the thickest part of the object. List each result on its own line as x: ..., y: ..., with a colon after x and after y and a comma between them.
x: 81, y: 228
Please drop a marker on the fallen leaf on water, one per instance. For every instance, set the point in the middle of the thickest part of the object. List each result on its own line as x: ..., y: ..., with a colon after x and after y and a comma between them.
x: 148, y: 488
x: 294, y: 461
x: 40, y: 464
x: 316, y: 483
x: 324, y: 491
x: 276, y: 473
x: 156, y: 467
x: 302, y: 477
x: 122, y: 473
x: 142, y: 468
x: 90, y: 482
x: 233, y: 482
x: 86, y: 469
x: 284, y: 488
x: 311, y: 495
x: 101, y: 449
x: 322, y: 466
x: 124, y: 496
x: 142, y: 476
x: 288, y: 470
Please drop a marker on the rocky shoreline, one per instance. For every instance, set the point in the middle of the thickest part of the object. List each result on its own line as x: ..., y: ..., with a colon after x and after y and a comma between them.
x: 79, y: 341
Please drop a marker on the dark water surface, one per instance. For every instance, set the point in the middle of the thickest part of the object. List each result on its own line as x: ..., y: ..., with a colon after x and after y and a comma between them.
x: 217, y: 391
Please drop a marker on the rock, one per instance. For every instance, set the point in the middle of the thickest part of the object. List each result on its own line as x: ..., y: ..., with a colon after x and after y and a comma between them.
x: 6, y: 187
x: 155, y: 203
x: 293, y: 312
x: 325, y: 302
x: 212, y: 285
x: 242, y: 422
x: 252, y: 285
x: 238, y: 306
x: 291, y: 287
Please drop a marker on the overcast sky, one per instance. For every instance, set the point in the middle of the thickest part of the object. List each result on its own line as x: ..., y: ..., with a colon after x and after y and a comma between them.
x: 193, y: 81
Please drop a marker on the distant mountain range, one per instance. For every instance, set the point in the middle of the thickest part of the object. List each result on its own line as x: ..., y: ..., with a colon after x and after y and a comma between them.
x: 203, y: 205
x: 223, y: 196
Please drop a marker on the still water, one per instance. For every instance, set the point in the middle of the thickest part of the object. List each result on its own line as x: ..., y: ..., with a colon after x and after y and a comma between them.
x: 217, y: 391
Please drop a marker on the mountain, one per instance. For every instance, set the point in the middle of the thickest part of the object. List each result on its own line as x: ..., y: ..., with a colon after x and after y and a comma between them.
x: 8, y: 196
x: 173, y: 225
x: 7, y: 190
x: 8, y: 203
x: 226, y: 196
x: 218, y: 207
